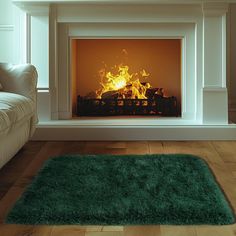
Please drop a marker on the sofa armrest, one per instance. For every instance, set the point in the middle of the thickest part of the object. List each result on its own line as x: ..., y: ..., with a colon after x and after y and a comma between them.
x: 20, y: 79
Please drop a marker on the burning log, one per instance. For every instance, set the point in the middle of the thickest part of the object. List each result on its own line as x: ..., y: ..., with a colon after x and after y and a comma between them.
x: 151, y: 92
x: 125, y: 92
x: 110, y: 94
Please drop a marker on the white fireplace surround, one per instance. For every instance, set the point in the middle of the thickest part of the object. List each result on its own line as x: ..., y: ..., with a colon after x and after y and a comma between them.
x: 200, y: 24
x: 184, y: 31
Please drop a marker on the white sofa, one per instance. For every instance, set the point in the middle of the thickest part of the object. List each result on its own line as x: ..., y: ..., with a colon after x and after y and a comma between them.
x: 18, y: 115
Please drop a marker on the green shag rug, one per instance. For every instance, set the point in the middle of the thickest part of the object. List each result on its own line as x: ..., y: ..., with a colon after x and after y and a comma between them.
x: 123, y: 190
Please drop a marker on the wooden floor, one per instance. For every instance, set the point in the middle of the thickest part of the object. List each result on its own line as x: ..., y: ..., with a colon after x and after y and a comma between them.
x: 18, y: 173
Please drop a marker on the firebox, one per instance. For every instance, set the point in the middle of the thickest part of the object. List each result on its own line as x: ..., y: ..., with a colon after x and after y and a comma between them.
x: 131, y: 77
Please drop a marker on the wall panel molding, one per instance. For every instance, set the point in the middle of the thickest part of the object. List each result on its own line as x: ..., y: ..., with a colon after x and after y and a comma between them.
x: 7, y: 27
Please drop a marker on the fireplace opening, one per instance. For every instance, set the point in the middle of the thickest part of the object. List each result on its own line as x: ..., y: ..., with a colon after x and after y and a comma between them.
x: 126, y: 77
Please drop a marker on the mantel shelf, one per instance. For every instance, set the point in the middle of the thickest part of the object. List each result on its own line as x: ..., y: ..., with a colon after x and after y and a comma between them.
x: 36, y: 7
x: 43, y: 2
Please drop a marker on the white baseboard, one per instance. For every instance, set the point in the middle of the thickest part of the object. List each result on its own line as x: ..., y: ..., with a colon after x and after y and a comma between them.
x: 132, y: 133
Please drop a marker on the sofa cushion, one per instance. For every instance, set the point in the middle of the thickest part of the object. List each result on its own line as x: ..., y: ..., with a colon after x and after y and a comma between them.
x: 14, y: 108
x: 5, y: 123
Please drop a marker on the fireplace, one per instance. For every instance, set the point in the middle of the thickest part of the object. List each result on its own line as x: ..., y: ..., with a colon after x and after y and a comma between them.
x: 165, y: 51
x: 198, y: 93
x: 113, y: 77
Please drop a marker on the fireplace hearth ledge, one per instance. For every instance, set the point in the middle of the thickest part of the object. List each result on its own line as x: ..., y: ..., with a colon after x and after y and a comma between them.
x: 73, y: 130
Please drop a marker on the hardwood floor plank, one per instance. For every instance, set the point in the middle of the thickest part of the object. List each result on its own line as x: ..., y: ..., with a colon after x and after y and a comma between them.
x: 140, y: 147
x: 142, y: 230
x: 178, y: 230
x: 212, y: 155
x: 114, y: 233
x: 25, y: 230
x: 214, y: 231
x: 113, y: 228
x: 8, y: 201
x: 116, y: 145
x: 233, y: 227
x: 73, y: 147
x: 93, y: 228
x: 66, y: 230
x: 232, y: 168
x: 102, y: 148
x: 186, y: 147
x: 226, y: 149
x: 156, y: 147
x: 226, y: 181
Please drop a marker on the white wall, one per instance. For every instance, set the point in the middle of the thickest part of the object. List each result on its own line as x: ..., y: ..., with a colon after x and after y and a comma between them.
x: 12, y: 33
x: 39, y: 49
x: 6, y: 31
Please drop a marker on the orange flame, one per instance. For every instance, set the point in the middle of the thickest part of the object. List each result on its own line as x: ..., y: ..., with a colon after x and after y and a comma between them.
x: 126, y: 84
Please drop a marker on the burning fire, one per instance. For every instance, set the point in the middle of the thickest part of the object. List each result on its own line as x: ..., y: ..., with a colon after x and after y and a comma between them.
x: 123, y: 84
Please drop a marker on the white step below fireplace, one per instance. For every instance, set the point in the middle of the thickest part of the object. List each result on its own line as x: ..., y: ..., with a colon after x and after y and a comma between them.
x: 201, y: 25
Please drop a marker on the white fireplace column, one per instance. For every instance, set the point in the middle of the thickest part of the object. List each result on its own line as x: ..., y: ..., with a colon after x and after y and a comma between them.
x: 215, y: 98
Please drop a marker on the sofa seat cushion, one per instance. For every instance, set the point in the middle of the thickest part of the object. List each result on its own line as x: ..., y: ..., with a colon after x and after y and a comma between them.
x: 5, y: 123
x: 14, y: 108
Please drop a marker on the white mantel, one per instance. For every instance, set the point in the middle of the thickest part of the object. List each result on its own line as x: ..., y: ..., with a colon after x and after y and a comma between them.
x: 39, y: 7
x: 28, y: 2
x: 200, y: 23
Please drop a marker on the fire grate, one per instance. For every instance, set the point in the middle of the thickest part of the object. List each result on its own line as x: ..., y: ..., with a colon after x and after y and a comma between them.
x: 159, y: 105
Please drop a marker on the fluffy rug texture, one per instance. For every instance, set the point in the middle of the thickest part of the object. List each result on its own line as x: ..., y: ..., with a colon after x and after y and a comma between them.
x: 123, y: 190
